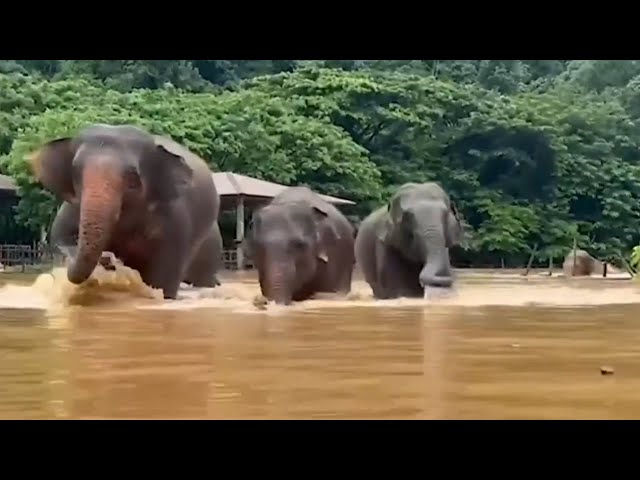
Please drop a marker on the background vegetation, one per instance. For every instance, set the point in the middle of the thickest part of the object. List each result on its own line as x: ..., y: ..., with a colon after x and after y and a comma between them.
x: 533, y: 152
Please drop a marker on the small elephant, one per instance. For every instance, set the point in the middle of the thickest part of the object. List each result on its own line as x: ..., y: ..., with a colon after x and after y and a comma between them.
x: 585, y: 265
x: 300, y: 244
x: 403, y: 247
x: 145, y: 198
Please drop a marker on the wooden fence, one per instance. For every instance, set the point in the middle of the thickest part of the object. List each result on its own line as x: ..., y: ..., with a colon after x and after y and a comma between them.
x: 230, y: 260
x: 28, y: 257
x: 23, y: 258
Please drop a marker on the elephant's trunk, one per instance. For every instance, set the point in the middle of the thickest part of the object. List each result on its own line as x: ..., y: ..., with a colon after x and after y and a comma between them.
x: 99, y: 211
x: 437, y: 270
x: 276, y: 281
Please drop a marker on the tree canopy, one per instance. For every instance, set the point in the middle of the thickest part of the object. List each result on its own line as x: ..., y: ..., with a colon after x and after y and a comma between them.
x: 533, y: 152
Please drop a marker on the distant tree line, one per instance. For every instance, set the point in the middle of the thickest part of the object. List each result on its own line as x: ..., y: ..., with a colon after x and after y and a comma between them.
x: 534, y: 152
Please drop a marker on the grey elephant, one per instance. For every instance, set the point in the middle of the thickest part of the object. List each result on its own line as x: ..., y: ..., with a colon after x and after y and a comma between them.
x: 145, y: 198
x: 300, y: 244
x: 585, y: 265
x: 403, y: 247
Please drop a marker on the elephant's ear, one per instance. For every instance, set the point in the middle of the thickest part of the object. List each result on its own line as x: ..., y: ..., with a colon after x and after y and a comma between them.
x: 326, y: 232
x: 383, y: 225
x: 388, y: 228
x: 51, y: 166
x: 165, y: 175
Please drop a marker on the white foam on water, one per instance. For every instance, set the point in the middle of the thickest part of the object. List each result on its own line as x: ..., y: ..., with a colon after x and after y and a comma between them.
x: 123, y: 288
x: 52, y: 290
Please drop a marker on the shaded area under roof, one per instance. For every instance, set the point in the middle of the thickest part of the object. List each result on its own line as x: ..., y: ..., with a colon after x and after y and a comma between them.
x: 253, y: 190
x: 7, y: 183
x: 8, y: 188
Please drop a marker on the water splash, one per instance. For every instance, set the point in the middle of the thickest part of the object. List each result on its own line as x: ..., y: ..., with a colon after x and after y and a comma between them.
x: 123, y: 287
x: 53, y: 290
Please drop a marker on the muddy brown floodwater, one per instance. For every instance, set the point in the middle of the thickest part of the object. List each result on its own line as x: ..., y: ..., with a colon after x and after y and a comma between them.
x: 503, y: 347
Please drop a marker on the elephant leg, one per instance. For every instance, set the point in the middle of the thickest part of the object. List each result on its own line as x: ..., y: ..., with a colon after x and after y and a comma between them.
x: 344, y: 267
x: 305, y: 292
x: 411, y: 280
x: 343, y: 286
x: 396, y: 277
x: 167, y: 268
x: 205, y: 263
x: 334, y: 277
x: 367, y: 263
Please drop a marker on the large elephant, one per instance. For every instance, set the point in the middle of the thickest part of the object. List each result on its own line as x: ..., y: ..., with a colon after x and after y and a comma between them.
x: 403, y: 247
x: 300, y: 245
x: 145, y: 198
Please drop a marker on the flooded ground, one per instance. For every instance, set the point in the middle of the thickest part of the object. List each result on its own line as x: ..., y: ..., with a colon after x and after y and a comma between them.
x: 503, y: 347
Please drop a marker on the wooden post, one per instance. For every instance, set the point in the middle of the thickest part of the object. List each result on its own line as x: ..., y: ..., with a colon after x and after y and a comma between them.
x: 533, y: 252
x: 550, y: 265
x: 604, y: 269
x: 575, y: 247
x: 239, y: 231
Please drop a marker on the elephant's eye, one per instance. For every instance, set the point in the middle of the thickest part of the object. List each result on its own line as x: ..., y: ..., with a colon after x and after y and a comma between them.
x: 132, y: 180
x: 408, y: 222
x: 298, y: 244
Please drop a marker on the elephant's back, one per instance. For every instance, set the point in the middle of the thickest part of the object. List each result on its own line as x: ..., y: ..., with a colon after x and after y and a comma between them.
x: 204, y: 198
x: 373, y: 218
x: 304, y: 195
x: 301, y: 194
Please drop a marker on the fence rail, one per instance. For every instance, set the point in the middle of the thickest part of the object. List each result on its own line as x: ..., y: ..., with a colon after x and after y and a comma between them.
x: 39, y: 257
x: 28, y: 257
x: 230, y: 260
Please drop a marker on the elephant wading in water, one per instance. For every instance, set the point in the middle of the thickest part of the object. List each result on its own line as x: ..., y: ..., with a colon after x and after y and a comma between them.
x: 403, y: 248
x: 300, y: 245
x: 145, y: 198
x: 586, y: 265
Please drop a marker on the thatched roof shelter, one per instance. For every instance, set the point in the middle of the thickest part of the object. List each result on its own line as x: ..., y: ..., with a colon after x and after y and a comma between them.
x: 254, y: 191
x: 7, y: 184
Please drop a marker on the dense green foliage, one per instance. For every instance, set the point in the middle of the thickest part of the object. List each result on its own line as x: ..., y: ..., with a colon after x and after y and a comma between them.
x: 533, y: 152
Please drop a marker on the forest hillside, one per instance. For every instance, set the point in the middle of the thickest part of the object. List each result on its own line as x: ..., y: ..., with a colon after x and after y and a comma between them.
x: 534, y: 152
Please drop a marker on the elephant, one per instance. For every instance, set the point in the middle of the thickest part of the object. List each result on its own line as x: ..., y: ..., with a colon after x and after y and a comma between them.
x: 145, y: 198
x: 200, y: 274
x: 403, y: 248
x: 586, y: 265
x: 300, y: 245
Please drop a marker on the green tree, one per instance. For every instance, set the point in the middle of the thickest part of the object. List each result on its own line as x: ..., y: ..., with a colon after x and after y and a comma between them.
x: 532, y: 151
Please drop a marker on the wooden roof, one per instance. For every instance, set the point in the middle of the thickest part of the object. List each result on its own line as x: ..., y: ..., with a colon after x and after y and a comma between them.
x: 231, y: 184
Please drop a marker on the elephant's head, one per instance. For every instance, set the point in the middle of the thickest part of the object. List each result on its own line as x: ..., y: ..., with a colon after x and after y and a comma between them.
x: 116, y: 174
x: 287, y: 243
x: 422, y: 224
